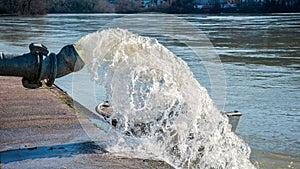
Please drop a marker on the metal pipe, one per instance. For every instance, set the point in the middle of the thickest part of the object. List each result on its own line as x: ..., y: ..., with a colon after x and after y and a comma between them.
x: 38, y: 66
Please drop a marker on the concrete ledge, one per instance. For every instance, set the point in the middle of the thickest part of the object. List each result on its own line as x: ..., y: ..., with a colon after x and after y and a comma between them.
x: 39, y: 129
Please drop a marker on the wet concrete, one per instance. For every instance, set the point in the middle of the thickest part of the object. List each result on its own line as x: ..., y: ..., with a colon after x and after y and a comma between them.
x: 38, y: 129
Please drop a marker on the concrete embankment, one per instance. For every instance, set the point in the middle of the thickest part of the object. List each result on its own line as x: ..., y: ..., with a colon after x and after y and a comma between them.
x: 39, y: 129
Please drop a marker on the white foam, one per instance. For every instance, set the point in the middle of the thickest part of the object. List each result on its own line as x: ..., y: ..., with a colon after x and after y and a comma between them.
x: 148, y: 84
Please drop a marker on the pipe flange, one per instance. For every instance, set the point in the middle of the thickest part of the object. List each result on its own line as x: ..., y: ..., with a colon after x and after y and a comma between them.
x: 53, y: 62
x: 36, y: 83
x: 41, y: 68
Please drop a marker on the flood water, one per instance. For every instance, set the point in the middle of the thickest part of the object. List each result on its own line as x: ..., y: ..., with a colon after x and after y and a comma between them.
x: 260, y: 56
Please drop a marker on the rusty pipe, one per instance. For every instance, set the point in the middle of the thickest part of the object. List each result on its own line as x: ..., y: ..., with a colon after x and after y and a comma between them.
x: 37, y: 66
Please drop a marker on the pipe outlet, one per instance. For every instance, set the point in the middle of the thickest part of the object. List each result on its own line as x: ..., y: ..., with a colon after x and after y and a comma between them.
x: 37, y: 66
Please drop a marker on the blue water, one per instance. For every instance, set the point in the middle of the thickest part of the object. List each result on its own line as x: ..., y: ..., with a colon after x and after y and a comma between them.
x: 260, y: 55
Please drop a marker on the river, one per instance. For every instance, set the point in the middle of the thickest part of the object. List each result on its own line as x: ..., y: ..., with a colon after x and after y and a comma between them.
x: 260, y: 56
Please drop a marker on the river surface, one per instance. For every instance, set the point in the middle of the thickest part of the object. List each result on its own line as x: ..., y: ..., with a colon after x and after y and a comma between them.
x: 260, y: 56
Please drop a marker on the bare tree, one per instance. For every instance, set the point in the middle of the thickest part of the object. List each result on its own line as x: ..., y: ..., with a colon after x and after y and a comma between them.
x: 32, y: 7
x: 23, y: 7
x: 104, y: 6
x: 128, y: 6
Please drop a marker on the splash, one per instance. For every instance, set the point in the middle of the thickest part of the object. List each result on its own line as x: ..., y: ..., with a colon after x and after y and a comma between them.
x: 162, y: 111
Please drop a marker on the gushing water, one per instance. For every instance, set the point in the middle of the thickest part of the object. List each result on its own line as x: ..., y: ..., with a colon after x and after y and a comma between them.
x: 162, y: 111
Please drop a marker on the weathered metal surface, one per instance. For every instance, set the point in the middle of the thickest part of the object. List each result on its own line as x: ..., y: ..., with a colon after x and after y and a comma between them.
x: 37, y: 65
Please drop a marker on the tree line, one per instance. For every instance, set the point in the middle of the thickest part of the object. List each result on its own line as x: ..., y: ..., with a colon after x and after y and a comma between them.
x: 22, y: 7
x: 79, y: 6
x: 41, y: 7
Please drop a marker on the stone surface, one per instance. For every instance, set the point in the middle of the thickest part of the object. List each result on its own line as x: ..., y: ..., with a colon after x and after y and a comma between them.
x: 39, y: 130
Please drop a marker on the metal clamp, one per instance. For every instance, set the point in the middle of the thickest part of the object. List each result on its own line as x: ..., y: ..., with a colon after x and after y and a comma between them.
x: 53, y: 62
x: 36, y: 48
x: 42, y: 61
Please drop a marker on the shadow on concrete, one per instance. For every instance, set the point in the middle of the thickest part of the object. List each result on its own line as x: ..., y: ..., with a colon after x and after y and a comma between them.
x: 63, y: 150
